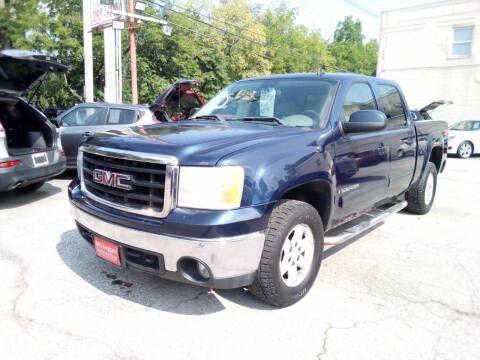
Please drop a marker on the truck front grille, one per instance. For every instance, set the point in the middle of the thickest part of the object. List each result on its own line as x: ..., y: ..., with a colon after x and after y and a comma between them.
x: 148, y: 184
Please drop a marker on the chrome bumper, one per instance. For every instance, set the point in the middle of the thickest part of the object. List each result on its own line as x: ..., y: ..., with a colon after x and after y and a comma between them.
x: 226, y: 257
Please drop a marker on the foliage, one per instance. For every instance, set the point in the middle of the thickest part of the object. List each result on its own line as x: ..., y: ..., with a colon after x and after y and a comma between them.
x: 294, y: 48
x: 241, y: 42
x: 349, y: 50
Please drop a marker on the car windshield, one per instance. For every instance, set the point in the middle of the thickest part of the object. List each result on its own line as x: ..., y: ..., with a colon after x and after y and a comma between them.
x: 462, y: 125
x: 290, y: 102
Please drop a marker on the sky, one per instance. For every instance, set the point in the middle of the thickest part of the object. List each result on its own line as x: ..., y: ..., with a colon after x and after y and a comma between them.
x: 325, y: 14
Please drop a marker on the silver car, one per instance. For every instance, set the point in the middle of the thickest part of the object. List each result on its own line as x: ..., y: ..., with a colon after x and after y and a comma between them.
x: 88, y: 118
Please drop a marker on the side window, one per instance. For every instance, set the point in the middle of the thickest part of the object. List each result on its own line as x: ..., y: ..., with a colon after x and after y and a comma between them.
x: 359, y: 97
x: 84, y: 116
x: 392, y: 107
x: 476, y: 125
x: 121, y: 116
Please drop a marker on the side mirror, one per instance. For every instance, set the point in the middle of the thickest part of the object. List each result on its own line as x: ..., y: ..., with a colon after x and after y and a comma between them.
x: 56, y: 121
x: 192, y: 111
x: 365, y: 121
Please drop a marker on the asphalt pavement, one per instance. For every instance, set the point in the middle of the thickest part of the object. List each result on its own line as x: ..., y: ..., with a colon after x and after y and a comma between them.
x: 408, y: 289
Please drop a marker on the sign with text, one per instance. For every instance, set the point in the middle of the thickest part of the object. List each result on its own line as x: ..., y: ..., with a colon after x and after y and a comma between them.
x: 103, y: 11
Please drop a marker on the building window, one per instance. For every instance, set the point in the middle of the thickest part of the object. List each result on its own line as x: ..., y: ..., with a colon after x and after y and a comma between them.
x: 462, y: 41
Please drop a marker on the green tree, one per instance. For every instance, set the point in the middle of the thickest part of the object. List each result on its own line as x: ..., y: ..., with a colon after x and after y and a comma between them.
x: 349, y: 50
x: 294, y: 48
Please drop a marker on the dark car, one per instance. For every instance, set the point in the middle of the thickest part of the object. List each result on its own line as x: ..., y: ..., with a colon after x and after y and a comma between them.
x: 88, y: 118
x: 424, y: 112
x: 248, y: 191
x: 178, y: 101
x: 30, y: 151
x: 53, y: 113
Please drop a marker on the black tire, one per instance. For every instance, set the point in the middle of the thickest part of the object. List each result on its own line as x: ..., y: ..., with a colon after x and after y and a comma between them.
x: 465, y: 150
x: 31, y: 187
x: 415, y: 197
x: 268, y: 284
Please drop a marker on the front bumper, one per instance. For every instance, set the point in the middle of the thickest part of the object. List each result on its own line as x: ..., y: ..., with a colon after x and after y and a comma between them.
x: 26, y: 173
x: 232, y: 260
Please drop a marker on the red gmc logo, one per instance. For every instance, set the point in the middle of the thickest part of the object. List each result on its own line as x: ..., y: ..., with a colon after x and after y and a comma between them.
x: 111, y: 179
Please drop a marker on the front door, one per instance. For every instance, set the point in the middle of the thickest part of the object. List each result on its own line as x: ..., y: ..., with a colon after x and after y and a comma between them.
x: 361, y: 161
x: 77, y: 122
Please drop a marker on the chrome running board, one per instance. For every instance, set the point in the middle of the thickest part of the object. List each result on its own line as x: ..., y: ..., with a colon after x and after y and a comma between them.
x: 364, y: 222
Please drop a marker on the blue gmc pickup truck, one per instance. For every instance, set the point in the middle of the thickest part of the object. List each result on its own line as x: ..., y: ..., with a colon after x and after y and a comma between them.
x: 249, y: 190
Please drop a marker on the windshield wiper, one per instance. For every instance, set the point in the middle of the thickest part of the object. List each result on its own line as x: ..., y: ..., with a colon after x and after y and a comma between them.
x: 272, y: 119
x: 208, y: 117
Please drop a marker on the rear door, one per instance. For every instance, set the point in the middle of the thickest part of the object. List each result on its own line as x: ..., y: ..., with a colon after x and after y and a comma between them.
x: 361, y: 161
x: 117, y: 118
x: 400, y: 140
x: 75, y: 123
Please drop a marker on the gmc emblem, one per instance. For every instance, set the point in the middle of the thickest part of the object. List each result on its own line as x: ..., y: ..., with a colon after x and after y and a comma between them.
x: 111, y: 179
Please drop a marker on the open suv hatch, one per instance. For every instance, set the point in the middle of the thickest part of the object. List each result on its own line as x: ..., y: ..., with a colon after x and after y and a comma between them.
x: 29, y: 148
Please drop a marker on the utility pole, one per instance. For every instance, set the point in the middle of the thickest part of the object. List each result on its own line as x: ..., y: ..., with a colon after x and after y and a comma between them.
x: 87, y: 51
x: 133, y: 53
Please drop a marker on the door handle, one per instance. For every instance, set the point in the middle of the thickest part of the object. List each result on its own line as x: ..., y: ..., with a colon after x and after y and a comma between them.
x: 380, y: 148
x: 87, y: 133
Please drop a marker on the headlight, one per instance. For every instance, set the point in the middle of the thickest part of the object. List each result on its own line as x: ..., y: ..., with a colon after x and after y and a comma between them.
x: 213, y: 188
x: 451, y: 137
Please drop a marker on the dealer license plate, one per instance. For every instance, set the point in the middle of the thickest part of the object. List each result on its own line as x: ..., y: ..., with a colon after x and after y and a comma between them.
x: 107, y: 251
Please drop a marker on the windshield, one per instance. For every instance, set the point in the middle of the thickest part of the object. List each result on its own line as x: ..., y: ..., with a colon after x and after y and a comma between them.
x: 462, y: 125
x: 294, y: 102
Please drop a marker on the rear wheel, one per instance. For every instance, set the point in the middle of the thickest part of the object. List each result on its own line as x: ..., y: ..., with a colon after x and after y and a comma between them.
x: 292, y: 254
x: 465, y: 150
x: 31, y: 187
x: 420, y: 198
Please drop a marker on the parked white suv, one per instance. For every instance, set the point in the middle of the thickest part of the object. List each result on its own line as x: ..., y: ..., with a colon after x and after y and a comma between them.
x: 30, y: 150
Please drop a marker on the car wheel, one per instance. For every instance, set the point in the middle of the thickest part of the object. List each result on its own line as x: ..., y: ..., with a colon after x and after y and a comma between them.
x: 31, y: 187
x: 420, y: 198
x: 465, y: 150
x: 292, y: 254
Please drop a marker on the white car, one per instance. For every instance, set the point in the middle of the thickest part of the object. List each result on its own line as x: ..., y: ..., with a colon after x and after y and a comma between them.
x: 464, y: 138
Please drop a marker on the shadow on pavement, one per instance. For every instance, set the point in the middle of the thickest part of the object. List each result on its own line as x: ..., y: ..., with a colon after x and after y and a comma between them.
x: 15, y: 198
x: 68, y: 174
x: 145, y: 289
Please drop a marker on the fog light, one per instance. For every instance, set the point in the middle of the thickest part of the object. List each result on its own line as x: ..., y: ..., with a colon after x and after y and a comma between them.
x: 203, y: 271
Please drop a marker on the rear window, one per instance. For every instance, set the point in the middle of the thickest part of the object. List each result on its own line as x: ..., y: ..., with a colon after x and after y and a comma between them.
x: 392, y: 106
x: 121, y: 116
x: 18, y: 75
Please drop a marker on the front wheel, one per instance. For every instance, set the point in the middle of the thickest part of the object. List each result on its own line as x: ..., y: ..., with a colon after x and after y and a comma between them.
x: 420, y: 198
x: 292, y: 254
x: 465, y: 150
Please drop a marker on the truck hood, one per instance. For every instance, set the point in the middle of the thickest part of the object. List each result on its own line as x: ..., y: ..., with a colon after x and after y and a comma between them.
x: 194, y: 142
x: 21, y: 70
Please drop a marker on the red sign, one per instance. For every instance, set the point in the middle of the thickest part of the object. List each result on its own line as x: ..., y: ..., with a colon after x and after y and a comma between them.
x: 102, y: 11
x: 107, y: 251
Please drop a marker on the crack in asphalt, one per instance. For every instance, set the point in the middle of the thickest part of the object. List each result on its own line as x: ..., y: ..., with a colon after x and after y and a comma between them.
x: 15, y: 259
x: 189, y: 299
